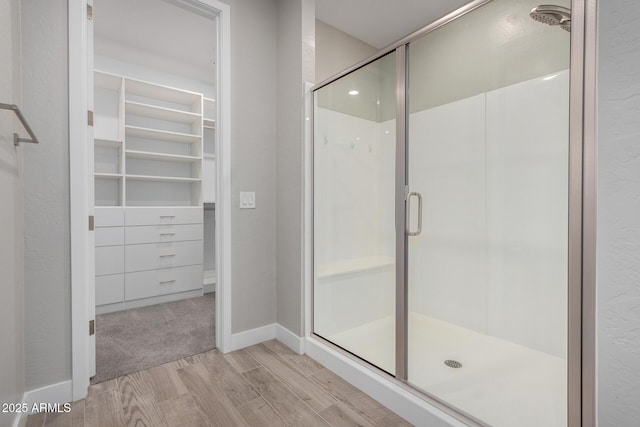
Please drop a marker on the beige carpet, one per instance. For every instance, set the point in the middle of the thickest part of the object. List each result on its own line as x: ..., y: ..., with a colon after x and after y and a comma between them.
x: 140, y: 338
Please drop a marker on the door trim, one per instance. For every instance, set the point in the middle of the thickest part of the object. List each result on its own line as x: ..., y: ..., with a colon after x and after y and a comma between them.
x: 79, y: 181
x: 79, y: 197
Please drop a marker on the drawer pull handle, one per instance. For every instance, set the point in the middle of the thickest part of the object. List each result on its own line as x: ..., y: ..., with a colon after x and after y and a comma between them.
x: 168, y: 281
x: 167, y: 255
x: 167, y: 216
x: 167, y: 234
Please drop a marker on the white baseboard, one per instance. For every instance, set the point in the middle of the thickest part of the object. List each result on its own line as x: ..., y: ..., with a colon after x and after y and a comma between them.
x: 54, y: 393
x: 289, y: 339
x: 408, y: 405
x: 208, y: 288
x: 266, y: 333
x: 20, y: 420
x: 253, y: 336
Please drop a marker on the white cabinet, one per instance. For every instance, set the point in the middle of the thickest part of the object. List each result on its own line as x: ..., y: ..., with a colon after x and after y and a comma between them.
x: 147, y: 255
x: 149, y: 190
x: 109, y: 260
x: 163, y: 233
x: 152, y: 283
x: 162, y: 255
x: 109, y: 289
x: 109, y: 236
x: 163, y: 216
x: 109, y: 267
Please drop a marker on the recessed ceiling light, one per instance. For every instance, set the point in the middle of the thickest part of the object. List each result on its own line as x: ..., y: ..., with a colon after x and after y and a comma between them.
x: 353, y: 92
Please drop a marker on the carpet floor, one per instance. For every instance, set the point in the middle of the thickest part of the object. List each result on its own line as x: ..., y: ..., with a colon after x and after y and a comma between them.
x: 140, y: 338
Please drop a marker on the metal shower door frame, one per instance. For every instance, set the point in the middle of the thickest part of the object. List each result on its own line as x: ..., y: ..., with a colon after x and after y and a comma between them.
x: 581, y: 337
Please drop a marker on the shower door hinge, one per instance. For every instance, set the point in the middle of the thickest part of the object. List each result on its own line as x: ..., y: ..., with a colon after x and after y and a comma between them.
x: 90, y: 118
x: 90, y: 12
x: 92, y: 327
x: 91, y: 222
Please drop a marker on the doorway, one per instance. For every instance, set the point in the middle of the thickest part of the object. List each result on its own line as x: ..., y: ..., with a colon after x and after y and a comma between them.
x: 154, y: 175
x: 154, y: 150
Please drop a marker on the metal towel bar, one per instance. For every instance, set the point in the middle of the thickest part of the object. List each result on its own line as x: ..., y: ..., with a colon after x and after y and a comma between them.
x: 16, y: 139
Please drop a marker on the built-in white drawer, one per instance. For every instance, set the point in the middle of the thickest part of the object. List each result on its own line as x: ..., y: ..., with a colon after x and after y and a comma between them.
x: 109, y: 236
x: 163, y: 233
x: 109, y: 217
x: 109, y: 260
x: 109, y: 289
x: 145, y: 284
x: 162, y: 255
x: 163, y: 216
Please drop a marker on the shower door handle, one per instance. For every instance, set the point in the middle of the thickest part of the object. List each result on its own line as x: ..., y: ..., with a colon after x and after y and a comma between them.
x: 408, y: 214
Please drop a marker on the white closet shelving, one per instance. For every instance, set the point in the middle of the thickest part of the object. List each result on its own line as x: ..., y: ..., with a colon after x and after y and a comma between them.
x: 209, y: 152
x: 209, y: 190
x: 148, y: 192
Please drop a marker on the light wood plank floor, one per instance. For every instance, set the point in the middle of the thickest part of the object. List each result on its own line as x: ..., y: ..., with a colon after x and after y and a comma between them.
x: 263, y: 385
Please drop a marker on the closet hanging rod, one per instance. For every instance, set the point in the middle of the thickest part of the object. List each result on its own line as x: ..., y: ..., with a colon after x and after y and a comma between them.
x: 16, y: 139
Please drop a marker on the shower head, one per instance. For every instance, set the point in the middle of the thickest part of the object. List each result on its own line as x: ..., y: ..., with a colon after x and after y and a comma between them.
x: 552, y: 15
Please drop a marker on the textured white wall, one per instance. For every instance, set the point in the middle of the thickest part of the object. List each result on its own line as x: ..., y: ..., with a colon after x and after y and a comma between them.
x: 11, y: 232
x: 618, y: 265
x: 46, y: 194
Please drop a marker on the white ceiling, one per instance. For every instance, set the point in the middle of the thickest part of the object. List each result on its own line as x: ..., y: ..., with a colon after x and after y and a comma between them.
x: 158, y: 28
x: 382, y: 22
x: 161, y: 28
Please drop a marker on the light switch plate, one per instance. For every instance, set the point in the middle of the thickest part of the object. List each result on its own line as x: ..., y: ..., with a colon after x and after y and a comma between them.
x: 247, y: 200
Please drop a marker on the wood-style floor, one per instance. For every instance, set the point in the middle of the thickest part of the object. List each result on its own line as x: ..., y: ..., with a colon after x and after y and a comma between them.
x: 263, y: 385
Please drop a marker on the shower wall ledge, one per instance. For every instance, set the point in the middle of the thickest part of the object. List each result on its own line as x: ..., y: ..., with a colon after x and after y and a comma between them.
x: 354, y: 265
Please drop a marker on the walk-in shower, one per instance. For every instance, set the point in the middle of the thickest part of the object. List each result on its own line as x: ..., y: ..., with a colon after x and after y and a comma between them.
x: 440, y: 214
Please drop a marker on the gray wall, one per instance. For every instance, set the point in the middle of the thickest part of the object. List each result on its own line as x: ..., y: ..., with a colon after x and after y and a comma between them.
x: 295, y: 56
x: 618, y: 265
x: 253, y: 162
x: 46, y: 194
x: 337, y: 50
x: 11, y: 232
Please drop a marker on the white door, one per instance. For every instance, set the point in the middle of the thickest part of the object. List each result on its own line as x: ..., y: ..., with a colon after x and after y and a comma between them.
x: 91, y: 244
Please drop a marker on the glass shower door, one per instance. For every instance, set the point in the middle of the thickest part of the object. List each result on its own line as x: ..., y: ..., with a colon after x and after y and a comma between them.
x: 488, y: 175
x: 354, y: 216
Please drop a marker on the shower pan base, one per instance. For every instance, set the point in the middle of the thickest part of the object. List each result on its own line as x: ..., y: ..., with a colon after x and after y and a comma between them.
x: 488, y: 386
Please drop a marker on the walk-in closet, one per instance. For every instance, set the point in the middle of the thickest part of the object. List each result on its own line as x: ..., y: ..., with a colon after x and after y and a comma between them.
x: 154, y: 149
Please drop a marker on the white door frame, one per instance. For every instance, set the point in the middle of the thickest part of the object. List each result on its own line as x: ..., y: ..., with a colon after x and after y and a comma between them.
x: 79, y: 181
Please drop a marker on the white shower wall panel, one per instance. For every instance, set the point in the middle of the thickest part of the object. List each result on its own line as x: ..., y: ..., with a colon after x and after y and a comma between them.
x: 447, y: 277
x: 354, y: 297
x: 527, y: 211
x: 355, y: 223
x: 493, y: 252
x: 354, y: 193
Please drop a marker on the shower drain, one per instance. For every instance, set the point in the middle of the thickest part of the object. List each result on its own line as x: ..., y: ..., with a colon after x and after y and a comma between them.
x: 453, y: 364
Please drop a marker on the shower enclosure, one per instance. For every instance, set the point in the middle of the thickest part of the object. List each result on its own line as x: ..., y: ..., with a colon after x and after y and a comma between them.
x: 441, y: 212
